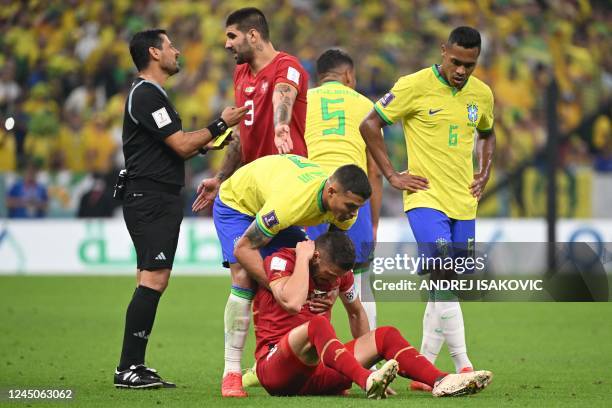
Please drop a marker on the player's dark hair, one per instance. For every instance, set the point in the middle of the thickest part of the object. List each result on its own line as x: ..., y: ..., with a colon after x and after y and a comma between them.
x: 140, y: 44
x: 352, y: 178
x: 338, y: 248
x: 465, y: 37
x: 331, y: 59
x: 249, y: 18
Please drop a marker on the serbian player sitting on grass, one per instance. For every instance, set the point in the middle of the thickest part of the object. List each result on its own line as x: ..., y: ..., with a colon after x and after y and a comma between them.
x: 297, y: 351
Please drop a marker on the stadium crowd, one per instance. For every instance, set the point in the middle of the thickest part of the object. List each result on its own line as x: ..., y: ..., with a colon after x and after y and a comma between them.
x: 65, y: 71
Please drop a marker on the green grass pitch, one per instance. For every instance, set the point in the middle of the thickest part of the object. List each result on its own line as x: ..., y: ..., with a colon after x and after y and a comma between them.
x: 65, y: 332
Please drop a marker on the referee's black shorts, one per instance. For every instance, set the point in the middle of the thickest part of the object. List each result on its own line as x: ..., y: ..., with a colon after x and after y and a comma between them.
x: 153, y: 219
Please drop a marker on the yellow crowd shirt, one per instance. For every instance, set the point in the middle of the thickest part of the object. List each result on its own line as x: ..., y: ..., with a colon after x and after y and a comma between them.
x: 439, y: 125
x: 280, y: 191
x: 332, y: 135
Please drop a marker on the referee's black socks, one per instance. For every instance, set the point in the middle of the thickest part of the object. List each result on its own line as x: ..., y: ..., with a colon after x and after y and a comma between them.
x: 139, y: 320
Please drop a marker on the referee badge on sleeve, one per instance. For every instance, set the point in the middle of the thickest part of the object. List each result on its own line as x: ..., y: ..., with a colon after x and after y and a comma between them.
x: 161, y: 117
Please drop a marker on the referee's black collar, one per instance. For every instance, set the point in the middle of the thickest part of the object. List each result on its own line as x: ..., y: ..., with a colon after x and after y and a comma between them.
x: 155, y: 84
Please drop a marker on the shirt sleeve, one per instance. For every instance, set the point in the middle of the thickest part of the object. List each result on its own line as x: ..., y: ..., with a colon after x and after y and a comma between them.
x: 347, y: 287
x: 487, y: 118
x: 291, y: 72
x: 279, y: 265
x: 396, y: 103
x: 274, y: 217
x: 154, y: 112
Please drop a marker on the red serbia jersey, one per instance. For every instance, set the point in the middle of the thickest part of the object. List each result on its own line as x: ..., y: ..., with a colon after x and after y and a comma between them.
x: 257, y: 126
x: 271, y: 321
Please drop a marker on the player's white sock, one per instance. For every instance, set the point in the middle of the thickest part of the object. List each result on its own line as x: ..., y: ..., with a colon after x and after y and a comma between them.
x: 433, y: 339
x: 451, y: 321
x: 236, y: 318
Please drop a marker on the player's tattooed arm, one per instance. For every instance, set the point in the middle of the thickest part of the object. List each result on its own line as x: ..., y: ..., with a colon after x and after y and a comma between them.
x: 282, y: 101
x: 256, y: 237
x: 247, y: 253
x: 232, y: 160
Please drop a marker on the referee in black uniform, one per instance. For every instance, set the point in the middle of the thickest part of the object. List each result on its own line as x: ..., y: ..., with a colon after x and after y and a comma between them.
x: 155, y: 148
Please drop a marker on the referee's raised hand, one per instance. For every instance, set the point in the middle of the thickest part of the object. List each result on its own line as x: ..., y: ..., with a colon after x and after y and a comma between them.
x: 232, y: 115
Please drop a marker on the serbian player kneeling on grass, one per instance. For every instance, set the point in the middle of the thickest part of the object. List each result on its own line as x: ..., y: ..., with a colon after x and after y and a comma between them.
x: 297, y: 351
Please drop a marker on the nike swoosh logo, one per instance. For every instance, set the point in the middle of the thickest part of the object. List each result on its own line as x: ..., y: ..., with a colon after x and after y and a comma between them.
x: 433, y: 112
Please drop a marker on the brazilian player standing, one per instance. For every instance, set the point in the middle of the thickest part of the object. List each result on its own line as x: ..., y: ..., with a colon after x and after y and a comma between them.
x: 440, y: 109
x: 334, y: 113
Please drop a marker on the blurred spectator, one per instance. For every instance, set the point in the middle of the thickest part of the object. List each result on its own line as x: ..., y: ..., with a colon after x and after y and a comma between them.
x: 9, y: 88
x: 69, y: 151
x: 98, y: 201
x: 99, y: 145
x: 8, y: 151
x: 27, y: 198
x: 86, y: 99
x: 602, y: 139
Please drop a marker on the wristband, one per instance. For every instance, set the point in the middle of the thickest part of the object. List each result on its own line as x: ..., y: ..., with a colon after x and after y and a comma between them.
x: 217, y: 128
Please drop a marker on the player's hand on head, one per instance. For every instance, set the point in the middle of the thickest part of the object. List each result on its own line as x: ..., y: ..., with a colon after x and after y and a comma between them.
x: 232, y: 115
x: 207, y: 191
x: 407, y: 181
x: 478, y: 185
x: 282, y: 139
x: 305, y: 249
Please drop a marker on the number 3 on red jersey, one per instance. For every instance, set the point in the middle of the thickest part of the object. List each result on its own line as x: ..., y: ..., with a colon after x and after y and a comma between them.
x: 250, y: 115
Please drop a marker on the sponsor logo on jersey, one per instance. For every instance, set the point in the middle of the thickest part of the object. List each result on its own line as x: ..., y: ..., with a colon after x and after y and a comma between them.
x: 278, y: 264
x: 249, y: 89
x: 161, y: 117
x: 386, y: 99
x: 293, y: 75
x: 264, y: 87
x: 270, y: 219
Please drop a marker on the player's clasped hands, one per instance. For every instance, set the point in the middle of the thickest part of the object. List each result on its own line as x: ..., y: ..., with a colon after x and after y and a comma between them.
x: 410, y: 182
x: 232, y: 115
x: 282, y: 139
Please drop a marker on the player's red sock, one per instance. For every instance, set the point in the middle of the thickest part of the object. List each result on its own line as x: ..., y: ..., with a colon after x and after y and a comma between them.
x: 390, y: 344
x: 333, y: 353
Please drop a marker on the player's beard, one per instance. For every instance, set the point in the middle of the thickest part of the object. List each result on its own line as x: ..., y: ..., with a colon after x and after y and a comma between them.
x: 245, y: 55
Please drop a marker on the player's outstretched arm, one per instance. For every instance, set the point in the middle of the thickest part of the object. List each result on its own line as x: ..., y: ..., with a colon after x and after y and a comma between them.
x: 208, y: 188
x: 358, y: 319
x: 187, y: 144
x: 485, y: 148
x: 283, y: 99
x: 375, y: 178
x: 247, y: 253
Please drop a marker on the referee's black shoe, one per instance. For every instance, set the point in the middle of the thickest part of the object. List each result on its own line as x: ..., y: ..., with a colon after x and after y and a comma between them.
x: 140, y: 377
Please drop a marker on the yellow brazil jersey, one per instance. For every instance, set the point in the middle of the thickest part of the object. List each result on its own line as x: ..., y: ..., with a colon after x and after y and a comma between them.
x: 280, y: 191
x: 439, y: 124
x: 333, y: 117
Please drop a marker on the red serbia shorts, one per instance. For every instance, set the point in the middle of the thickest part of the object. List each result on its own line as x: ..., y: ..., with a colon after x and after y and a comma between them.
x: 282, y: 373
